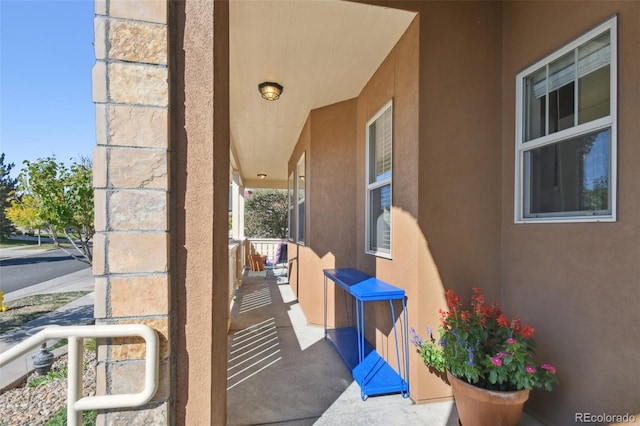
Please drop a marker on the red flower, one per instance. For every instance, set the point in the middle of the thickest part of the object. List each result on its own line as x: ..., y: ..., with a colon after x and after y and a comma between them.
x: 454, y: 302
x: 443, y: 317
x: 527, y: 331
x: 477, y: 331
x: 516, y: 324
x: 477, y: 300
x: 502, y: 321
x: 486, y: 311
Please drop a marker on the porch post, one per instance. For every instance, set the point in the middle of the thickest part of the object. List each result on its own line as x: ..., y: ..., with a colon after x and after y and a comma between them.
x: 199, y: 123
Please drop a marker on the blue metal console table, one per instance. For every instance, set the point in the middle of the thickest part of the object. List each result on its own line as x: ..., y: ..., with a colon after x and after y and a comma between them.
x: 374, y: 375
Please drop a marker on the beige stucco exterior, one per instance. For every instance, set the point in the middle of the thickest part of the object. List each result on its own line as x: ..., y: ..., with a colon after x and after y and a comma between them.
x: 577, y: 283
x: 452, y: 80
x: 200, y: 183
x: 434, y: 240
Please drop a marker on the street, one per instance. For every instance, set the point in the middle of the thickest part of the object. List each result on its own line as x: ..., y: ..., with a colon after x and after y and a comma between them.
x: 19, y: 272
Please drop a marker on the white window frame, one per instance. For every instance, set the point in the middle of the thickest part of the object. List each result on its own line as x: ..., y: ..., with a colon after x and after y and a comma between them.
x: 301, y: 185
x: 608, y: 122
x: 291, y: 223
x: 369, y: 187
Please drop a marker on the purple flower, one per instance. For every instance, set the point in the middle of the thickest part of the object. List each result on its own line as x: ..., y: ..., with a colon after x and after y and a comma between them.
x: 415, y: 339
x: 455, y: 333
x: 511, y: 341
x: 470, y: 360
x: 496, y: 361
x: 530, y: 369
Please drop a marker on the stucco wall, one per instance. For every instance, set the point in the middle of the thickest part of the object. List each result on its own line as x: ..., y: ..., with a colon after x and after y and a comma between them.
x: 452, y: 79
x: 200, y: 184
x: 444, y: 78
x: 459, y: 172
x: 577, y: 283
x: 328, y: 142
x: 397, y: 78
x: 334, y: 139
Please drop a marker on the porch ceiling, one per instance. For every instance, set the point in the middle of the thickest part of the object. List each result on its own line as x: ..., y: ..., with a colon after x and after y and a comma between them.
x: 321, y: 51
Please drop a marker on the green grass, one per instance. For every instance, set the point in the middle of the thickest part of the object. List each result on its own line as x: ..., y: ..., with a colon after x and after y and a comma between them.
x: 33, y: 244
x: 16, y: 243
x: 90, y: 344
x: 42, y: 247
x: 59, y: 234
x: 51, y: 376
x: 60, y: 418
x: 60, y: 343
x: 29, y: 308
x: 30, y: 245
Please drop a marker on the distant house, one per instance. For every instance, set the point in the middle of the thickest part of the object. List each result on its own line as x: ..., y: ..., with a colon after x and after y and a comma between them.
x: 492, y: 144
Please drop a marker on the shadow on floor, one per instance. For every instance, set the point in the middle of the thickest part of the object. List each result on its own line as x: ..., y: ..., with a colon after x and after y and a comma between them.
x: 280, y: 370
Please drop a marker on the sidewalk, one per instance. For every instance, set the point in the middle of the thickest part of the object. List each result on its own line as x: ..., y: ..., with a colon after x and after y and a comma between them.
x: 78, y: 312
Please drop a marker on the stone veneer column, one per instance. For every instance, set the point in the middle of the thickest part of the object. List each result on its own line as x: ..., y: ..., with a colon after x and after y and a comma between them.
x: 131, y: 180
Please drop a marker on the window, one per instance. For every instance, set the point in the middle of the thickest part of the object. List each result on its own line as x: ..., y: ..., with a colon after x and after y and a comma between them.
x: 566, y: 133
x: 378, y: 178
x: 290, y: 202
x: 300, y: 183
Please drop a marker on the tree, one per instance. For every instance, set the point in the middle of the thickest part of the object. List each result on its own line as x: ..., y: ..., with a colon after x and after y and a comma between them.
x: 266, y: 214
x: 7, y: 187
x: 59, y: 199
x: 23, y: 212
x: 597, y: 197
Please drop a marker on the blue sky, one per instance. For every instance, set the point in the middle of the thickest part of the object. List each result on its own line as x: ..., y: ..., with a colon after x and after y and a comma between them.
x: 46, y: 56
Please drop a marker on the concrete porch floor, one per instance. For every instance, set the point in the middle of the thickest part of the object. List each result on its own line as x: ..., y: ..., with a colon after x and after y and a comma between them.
x: 282, y: 371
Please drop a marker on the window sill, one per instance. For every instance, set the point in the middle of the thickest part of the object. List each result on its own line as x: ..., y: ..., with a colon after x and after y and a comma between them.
x: 379, y: 254
x: 574, y: 219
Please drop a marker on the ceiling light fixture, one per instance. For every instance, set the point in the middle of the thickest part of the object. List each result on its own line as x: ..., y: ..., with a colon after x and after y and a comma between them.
x: 270, y: 91
x: 262, y: 176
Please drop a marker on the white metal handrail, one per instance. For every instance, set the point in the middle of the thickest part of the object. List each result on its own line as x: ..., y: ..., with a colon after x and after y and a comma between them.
x: 75, y: 334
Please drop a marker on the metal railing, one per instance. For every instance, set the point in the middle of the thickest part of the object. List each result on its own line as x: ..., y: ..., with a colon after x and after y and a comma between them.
x: 76, y: 403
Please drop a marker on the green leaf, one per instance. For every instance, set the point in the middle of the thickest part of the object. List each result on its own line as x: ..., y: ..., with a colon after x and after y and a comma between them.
x: 493, y: 376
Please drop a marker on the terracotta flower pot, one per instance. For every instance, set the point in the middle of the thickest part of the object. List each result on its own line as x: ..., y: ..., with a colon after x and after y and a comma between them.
x: 482, y: 407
